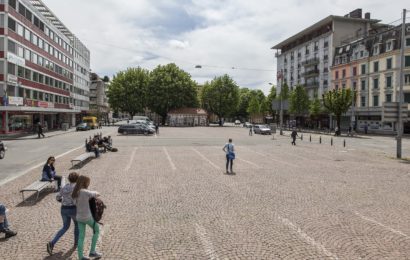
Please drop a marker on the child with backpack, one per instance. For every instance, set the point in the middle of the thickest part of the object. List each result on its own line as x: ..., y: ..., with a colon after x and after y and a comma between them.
x: 82, y: 196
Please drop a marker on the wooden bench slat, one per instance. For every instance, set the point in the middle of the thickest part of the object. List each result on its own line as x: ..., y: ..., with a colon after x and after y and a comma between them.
x: 36, y: 185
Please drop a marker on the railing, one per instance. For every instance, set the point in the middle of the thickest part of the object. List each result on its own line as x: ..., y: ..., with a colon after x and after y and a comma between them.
x: 310, y: 61
x: 311, y: 73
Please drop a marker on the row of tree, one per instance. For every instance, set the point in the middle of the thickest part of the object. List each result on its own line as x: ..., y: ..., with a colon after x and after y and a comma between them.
x: 169, y: 87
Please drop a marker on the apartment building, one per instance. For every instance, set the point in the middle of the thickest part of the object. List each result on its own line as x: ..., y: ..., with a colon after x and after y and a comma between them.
x: 38, y: 64
x: 306, y: 57
x: 371, y: 66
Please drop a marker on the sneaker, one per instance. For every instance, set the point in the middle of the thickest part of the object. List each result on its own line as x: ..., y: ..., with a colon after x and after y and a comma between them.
x: 9, y: 233
x: 50, y: 248
x: 85, y: 258
x: 95, y: 255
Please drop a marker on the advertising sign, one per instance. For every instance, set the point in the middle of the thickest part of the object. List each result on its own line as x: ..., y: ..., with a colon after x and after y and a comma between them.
x: 12, y: 58
x: 16, y: 101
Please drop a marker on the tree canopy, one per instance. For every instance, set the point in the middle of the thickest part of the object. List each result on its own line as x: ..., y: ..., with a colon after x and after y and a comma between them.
x: 170, y: 88
x: 127, y: 91
x: 270, y: 98
x: 338, y: 102
x: 299, y: 101
x: 220, y: 96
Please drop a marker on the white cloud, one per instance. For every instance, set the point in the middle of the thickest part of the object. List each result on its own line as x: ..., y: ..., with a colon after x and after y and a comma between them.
x: 218, y: 35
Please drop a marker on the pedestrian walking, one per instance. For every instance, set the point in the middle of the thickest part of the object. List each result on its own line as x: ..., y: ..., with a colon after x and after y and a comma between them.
x: 365, y: 128
x: 229, y: 149
x: 82, y: 196
x: 68, y: 212
x: 251, y: 131
x: 4, y: 225
x: 293, y: 135
x: 40, y: 130
x: 49, y: 172
x: 157, y: 128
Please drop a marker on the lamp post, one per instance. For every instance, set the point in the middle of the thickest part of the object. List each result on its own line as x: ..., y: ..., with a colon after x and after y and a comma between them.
x: 279, y: 76
x: 400, y: 94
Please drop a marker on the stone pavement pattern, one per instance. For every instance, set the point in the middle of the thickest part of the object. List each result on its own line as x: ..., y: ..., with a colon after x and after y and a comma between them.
x: 168, y: 198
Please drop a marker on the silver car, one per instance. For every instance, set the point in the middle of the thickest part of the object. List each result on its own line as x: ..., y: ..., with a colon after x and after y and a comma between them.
x: 262, y: 129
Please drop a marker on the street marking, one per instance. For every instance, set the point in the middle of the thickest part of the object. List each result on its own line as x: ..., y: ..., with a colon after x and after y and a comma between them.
x: 206, y: 242
x: 34, y: 167
x: 275, y: 160
x: 382, y: 225
x: 206, y: 159
x: 131, y: 159
x: 306, y: 237
x: 251, y: 163
x: 169, y: 159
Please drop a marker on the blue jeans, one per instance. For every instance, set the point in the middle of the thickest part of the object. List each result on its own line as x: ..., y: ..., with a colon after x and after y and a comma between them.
x: 4, y: 224
x: 67, y: 213
x: 229, y: 161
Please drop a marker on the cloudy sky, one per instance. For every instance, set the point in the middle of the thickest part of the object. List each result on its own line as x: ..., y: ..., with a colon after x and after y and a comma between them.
x: 224, y: 36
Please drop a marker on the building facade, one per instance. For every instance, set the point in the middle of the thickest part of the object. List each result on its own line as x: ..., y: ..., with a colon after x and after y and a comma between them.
x: 38, y: 65
x: 98, y: 99
x: 371, y: 66
x: 306, y: 57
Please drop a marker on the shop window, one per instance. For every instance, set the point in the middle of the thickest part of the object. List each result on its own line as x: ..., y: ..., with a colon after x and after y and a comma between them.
x: 20, y: 122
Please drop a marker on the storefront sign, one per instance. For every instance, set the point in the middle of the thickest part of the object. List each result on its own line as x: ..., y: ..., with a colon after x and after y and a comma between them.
x: 42, y: 104
x: 12, y: 78
x: 15, y: 59
x: 29, y: 102
x: 71, y: 105
x: 50, y: 105
x: 17, y: 101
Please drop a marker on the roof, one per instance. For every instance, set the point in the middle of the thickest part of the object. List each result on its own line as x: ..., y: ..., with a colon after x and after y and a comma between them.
x: 48, y: 14
x: 188, y: 111
x: 319, y: 24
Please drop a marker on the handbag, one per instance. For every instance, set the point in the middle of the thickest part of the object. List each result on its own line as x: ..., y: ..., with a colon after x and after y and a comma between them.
x: 231, y: 155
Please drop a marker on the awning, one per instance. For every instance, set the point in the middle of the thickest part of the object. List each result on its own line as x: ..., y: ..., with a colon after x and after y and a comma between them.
x: 38, y: 109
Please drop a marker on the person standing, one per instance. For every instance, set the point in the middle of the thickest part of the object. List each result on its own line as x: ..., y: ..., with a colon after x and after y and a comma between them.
x: 293, y: 135
x: 251, y: 130
x: 157, y: 128
x: 40, y: 130
x: 82, y: 196
x: 68, y: 212
x: 4, y: 225
x: 365, y: 128
x: 229, y: 149
x: 49, y: 172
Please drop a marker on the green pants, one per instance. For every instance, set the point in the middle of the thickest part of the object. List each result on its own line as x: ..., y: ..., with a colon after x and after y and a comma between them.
x: 81, y: 228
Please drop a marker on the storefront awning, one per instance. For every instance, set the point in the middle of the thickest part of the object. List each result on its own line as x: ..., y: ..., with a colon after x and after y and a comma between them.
x: 37, y: 109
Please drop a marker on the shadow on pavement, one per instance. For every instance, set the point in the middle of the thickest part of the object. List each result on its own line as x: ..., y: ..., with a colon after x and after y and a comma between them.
x: 31, y: 200
x: 61, y: 255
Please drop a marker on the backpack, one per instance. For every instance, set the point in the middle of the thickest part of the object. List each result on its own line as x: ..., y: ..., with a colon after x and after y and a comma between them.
x: 97, y: 207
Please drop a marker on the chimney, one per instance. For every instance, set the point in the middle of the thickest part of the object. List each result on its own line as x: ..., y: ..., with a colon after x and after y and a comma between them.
x: 367, y: 16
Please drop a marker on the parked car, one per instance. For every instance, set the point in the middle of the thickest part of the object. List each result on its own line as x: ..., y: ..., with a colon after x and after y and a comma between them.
x: 3, y: 149
x: 262, y: 129
x: 135, y: 129
x: 237, y: 122
x: 247, y: 125
x: 148, y: 124
x: 82, y: 127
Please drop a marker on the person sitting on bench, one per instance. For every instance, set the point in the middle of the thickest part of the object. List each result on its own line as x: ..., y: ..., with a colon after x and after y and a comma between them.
x: 49, y: 172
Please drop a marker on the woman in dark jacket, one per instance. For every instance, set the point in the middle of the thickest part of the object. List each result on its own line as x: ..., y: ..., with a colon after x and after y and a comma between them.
x: 49, y: 172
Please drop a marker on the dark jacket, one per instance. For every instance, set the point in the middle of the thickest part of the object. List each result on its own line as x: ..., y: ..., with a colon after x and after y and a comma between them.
x: 294, y: 134
x: 48, y: 173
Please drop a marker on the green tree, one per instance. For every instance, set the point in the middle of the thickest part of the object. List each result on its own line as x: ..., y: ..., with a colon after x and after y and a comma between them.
x: 284, y: 92
x: 170, y: 88
x: 315, y: 107
x: 244, y: 98
x: 127, y: 91
x: 263, y: 108
x: 270, y: 98
x: 299, y: 101
x: 338, y: 102
x: 221, y: 96
x: 254, y: 107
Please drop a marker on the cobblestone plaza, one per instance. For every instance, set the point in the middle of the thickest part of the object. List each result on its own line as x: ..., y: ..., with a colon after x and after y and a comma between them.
x: 168, y: 198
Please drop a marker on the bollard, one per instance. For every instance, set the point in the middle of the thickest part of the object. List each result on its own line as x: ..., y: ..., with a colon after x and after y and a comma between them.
x: 344, y: 142
x: 310, y: 138
x: 331, y: 141
x: 301, y: 137
x: 320, y: 140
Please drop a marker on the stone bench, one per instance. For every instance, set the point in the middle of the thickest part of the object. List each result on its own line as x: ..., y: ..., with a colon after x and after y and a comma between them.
x: 81, y: 158
x: 36, y: 186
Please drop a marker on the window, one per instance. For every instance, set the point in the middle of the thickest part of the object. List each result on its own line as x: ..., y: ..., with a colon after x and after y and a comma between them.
x: 27, y: 93
x: 375, y: 66
x: 40, y: 96
x: 407, y: 79
x: 27, y: 74
x: 336, y: 74
x: 408, y: 42
x: 376, y: 83
x: 34, y: 39
x: 20, y: 71
x: 376, y: 49
x: 388, y: 82
x: 343, y: 73
x: 12, y: 24
x: 20, y: 51
x: 29, y: 15
x: 22, y: 9
x: 20, y: 30
x: 354, y: 71
x: 27, y: 54
x: 389, y: 64
x: 12, y: 3
x: 407, y: 61
x: 375, y: 101
x: 41, y: 78
x: 363, y: 69
x: 406, y: 97
x: 12, y: 47
x: 35, y: 94
x: 34, y: 58
x: 27, y: 35
x: 389, y: 45
x: 40, y: 43
x: 21, y: 92
x: 36, y: 21
x: 11, y: 68
x: 388, y: 98
x: 362, y: 101
x: 35, y: 76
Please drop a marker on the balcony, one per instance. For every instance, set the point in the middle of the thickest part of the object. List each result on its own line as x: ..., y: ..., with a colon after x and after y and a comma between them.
x: 311, y: 73
x: 311, y: 62
x: 312, y: 85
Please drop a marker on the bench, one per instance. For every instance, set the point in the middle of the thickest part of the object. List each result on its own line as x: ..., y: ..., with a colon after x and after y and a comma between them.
x: 81, y: 158
x: 36, y: 186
